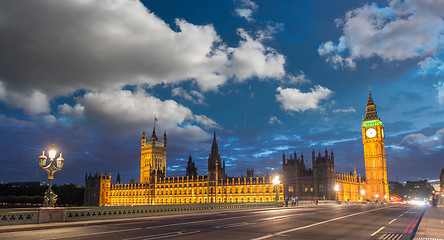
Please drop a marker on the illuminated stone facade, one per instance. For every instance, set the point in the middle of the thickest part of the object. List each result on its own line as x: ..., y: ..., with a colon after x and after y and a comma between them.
x: 373, y: 139
x: 322, y: 182
x: 155, y: 188
x: 319, y: 182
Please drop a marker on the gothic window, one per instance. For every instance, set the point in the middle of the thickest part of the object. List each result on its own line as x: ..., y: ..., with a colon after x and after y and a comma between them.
x: 290, y: 188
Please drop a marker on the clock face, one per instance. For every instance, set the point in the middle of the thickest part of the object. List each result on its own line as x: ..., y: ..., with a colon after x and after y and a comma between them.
x: 371, y: 132
x: 382, y: 131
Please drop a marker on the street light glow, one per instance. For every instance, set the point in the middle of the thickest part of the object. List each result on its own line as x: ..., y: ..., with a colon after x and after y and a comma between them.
x: 336, y: 187
x: 50, y: 197
x: 276, y: 180
x: 52, y: 153
x: 363, y: 192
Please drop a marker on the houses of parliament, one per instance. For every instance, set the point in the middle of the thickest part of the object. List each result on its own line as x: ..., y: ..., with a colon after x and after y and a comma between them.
x: 321, y: 181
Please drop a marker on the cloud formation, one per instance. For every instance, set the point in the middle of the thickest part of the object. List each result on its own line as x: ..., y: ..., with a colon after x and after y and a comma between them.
x: 106, y: 45
x: 292, y: 99
x: 423, y: 143
x: 440, y: 89
x: 193, y: 95
x: 274, y: 120
x: 246, y: 9
x: 402, y: 30
x: 32, y: 101
x: 299, y: 78
x: 431, y: 67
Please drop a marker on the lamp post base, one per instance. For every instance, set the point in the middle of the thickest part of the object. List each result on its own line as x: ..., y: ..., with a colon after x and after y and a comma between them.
x: 51, y: 214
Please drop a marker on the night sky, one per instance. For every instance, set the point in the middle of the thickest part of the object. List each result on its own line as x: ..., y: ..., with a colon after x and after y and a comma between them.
x: 270, y: 77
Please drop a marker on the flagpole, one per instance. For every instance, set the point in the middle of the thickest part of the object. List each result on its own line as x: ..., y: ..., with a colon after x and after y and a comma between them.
x: 155, y: 120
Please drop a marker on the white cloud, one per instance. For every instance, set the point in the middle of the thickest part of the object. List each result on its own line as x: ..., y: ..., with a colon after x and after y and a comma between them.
x: 33, y: 102
x: 50, y: 119
x: 249, y: 4
x: 292, y: 99
x: 345, y: 110
x: 440, y: 89
x: 274, y: 120
x: 76, y: 112
x: 104, y: 45
x: 252, y: 58
x: 246, y: 9
x: 206, y: 122
x: 402, y: 30
x: 128, y: 113
x: 193, y: 95
x: 431, y: 66
x: 245, y: 13
x: 298, y: 79
x: 423, y: 143
x: 126, y: 107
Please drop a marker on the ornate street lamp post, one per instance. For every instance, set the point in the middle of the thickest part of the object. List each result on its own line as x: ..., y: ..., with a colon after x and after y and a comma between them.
x: 276, y: 183
x: 363, y: 195
x: 336, y: 190
x: 51, y: 168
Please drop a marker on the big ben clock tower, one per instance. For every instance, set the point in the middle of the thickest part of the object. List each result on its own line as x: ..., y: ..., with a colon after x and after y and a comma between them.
x: 374, y: 154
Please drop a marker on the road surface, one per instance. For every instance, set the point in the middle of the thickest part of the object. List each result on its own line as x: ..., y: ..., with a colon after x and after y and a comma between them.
x: 358, y: 221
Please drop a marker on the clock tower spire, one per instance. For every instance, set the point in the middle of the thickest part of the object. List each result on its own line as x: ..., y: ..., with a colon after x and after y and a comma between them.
x: 373, y: 140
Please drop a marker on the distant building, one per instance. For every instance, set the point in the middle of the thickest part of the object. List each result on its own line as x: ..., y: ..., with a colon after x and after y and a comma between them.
x: 441, y: 180
x: 155, y: 188
x: 323, y: 182
x: 24, y: 184
x: 418, y: 189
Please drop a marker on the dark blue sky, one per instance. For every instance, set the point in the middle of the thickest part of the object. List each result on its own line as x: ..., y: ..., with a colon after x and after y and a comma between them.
x: 270, y: 77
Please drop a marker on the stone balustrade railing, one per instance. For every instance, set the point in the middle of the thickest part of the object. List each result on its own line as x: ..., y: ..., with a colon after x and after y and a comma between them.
x: 18, y: 216
x: 73, y: 214
x: 115, y: 212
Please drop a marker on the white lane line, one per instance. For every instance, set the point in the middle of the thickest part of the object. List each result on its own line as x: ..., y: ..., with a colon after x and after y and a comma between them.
x: 373, y: 234
x: 98, y: 233
x: 392, y: 221
x: 314, y: 224
x: 215, y: 220
x: 163, y: 235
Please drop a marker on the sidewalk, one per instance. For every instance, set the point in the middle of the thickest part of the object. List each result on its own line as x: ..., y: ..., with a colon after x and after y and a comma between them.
x: 432, y: 224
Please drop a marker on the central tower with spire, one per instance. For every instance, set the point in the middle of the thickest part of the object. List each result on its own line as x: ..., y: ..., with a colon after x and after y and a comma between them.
x: 152, y: 158
x: 373, y: 140
x: 216, y: 169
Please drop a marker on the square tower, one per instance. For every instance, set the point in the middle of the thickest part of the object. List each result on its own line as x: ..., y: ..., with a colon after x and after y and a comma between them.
x: 152, y: 158
x: 373, y: 140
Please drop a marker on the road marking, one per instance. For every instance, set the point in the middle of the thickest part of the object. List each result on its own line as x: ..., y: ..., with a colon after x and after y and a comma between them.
x: 98, y: 233
x: 412, y: 224
x: 161, y: 226
x: 391, y: 236
x: 314, y: 224
x: 163, y: 235
x: 392, y: 221
x: 373, y: 234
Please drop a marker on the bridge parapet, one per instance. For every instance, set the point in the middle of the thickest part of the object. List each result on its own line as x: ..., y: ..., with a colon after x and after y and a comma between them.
x: 18, y: 216
x: 74, y: 214
x: 115, y: 212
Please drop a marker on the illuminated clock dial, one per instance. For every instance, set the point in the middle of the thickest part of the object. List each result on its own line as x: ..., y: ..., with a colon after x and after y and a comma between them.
x: 382, y: 131
x: 371, y: 132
